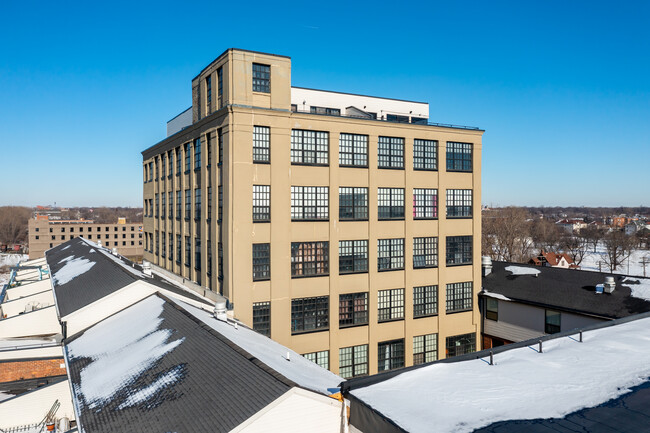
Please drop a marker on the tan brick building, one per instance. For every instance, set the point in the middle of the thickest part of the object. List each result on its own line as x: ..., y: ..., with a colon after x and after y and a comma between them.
x: 45, y: 234
x: 344, y: 226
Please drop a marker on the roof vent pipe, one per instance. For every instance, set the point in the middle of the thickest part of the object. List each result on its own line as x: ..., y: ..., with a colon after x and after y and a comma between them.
x: 610, y: 284
x: 146, y: 268
x: 220, y: 311
x: 486, y: 264
x: 114, y: 251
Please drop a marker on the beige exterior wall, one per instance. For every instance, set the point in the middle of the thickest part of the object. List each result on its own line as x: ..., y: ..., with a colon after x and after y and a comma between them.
x: 237, y: 232
x: 45, y: 234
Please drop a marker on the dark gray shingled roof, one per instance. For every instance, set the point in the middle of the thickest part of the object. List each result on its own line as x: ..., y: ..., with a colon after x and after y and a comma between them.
x: 565, y: 289
x: 220, y: 384
x: 106, y: 277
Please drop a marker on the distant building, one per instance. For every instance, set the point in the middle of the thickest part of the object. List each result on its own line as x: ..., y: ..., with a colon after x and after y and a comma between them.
x: 554, y: 260
x: 571, y: 225
x: 45, y: 233
x: 519, y: 302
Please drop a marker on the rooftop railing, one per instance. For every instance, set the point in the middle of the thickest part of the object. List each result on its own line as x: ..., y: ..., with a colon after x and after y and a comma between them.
x: 385, y: 119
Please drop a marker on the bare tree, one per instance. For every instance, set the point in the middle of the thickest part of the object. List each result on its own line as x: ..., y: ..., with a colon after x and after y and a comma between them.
x: 545, y: 235
x: 618, y: 247
x: 13, y: 224
x: 508, y: 232
x: 593, y: 235
x: 575, y: 247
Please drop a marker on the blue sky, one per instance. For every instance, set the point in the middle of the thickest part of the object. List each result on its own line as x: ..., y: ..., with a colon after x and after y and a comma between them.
x: 561, y: 88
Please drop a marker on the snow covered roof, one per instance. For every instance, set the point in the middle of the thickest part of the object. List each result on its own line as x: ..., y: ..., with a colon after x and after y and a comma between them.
x: 157, y: 365
x: 523, y: 384
x: 568, y: 290
x: 83, y: 273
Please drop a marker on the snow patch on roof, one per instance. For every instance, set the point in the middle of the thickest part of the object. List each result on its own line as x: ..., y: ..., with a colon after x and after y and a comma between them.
x: 71, y: 270
x: 522, y: 270
x: 640, y: 287
x: 495, y: 295
x: 524, y: 384
x: 121, y: 348
x: 299, y: 369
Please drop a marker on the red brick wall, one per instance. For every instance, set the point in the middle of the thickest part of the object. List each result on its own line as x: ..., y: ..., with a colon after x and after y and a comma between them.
x: 31, y: 369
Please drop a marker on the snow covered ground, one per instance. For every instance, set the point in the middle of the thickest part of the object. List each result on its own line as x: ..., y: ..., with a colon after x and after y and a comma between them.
x: 524, y: 384
x: 631, y: 266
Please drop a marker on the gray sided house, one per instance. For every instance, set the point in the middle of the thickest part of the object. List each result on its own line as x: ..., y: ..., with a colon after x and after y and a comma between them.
x: 519, y: 302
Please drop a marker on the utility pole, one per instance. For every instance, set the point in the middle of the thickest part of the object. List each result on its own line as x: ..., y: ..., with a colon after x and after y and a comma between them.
x: 645, y: 260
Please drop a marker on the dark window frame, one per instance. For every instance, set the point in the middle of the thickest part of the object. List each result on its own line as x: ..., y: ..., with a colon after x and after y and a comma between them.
x: 425, y: 204
x: 425, y: 155
x: 388, y: 204
x: 357, y: 206
x: 309, y: 314
x: 459, y: 203
x: 425, y: 301
x: 390, y: 254
x: 310, y: 203
x: 425, y: 252
x: 390, y: 305
x: 549, y: 326
x: 262, y: 318
x: 309, y: 147
x: 353, y: 309
x: 261, y: 144
x: 354, y: 358
x: 459, y: 297
x: 353, y: 150
x: 466, y: 344
x: 309, y: 259
x: 353, y: 256
x: 261, y: 262
x: 425, y: 348
x: 492, y: 309
x: 459, y: 156
x: 391, y: 355
x: 459, y: 250
x: 390, y: 153
x: 261, y: 78
x: 261, y: 203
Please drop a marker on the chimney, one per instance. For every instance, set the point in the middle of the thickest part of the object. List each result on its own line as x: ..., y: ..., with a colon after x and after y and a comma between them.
x: 610, y: 284
x: 146, y: 268
x: 486, y: 264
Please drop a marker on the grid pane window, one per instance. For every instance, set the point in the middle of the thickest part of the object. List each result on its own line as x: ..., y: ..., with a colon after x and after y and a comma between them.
x: 459, y: 203
x: 188, y: 251
x: 492, y: 309
x: 353, y: 256
x: 261, y: 262
x: 425, y: 203
x: 170, y: 157
x: 209, y: 210
x: 261, y: 144
x: 220, y: 87
x: 262, y: 318
x: 197, y: 254
x: 459, y: 250
x: 197, y: 204
x: 353, y: 203
x: 309, y: 147
x: 425, y: 348
x: 309, y: 203
x: 552, y: 322
x: 178, y: 161
x: 459, y: 156
x: 425, y: 301
x: 208, y: 92
x: 459, y: 297
x: 390, y: 151
x: 353, y: 361
x: 391, y: 305
x: 197, y: 153
x: 321, y: 358
x: 261, y: 202
x: 353, y: 150
x: 170, y: 196
x: 390, y: 254
x: 178, y: 248
x: 178, y: 205
x: 261, y: 78
x: 188, y: 204
x: 353, y: 309
x: 425, y: 154
x: 309, y: 314
x: 391, y: 355
x: 171, y: 247
x: 390, y: 202
x: 208, y: 139
x: 309, y: 258
x: 425, y: 252
x: 188, y: 153
x: 163, y: 204
x: 460, y: 345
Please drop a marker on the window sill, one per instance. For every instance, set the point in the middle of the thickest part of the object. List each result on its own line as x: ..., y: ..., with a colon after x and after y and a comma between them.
x: 356, y: 325
x: 311, y: 331
x: 425, y: 267
x: 352, y: 166
x: 459, y: 311
x: 459, y: 171
x: 261, y: 279
x: 425, y: 316
x: 260, y: 221
x: 459, y: 218
x: 388, y: 270
x: 308, y: 220
x: 390, y: 168
x: 425, y: 169
x: 308, y: 164
x: 262, y: 162
x: 426, y: 219
x: 390, y: 219
x: 450, y: 265
x: 353, y: 272
x: 309, y: 276
x: 389, y: 320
